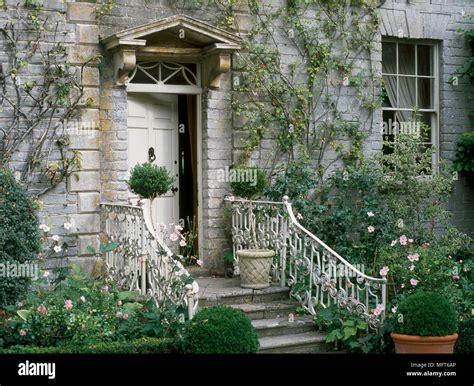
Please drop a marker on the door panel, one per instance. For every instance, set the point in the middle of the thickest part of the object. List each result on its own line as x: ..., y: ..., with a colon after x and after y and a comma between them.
x: 153, y: 122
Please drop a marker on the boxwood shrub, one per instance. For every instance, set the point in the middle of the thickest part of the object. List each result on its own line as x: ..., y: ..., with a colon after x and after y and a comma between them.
x: 220, y: 330
x: 139, y: 346
x: 249, y: 182
x: 465, y: 342
x: 426, y: 314
x: 19, y: 235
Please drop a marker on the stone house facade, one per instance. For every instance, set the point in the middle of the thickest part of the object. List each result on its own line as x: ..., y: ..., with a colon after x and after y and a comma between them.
x: 133, y: 102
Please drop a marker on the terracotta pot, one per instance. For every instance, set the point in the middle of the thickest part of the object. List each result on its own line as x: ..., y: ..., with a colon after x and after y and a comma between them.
x: 255, y: 265
x: 414, y: 344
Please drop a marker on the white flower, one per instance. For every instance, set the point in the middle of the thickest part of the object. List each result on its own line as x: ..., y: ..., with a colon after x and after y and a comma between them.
x: 412, y: 267
x: 370, y: 229
x: 182, y: 243
x: 199, y: 262
x: 44, y: 228
x: 46, y: 273
x: 57, y: 248
x: 299, y: 216
x: 370, y: 214
x: 55, y: 238
x: 394, y: 242
x: 394, y: 309
x: 68, y: 225
x: 413, y: 282
x: 83, y: 299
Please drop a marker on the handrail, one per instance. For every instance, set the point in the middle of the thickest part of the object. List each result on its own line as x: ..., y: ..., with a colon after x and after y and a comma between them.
x: 142, y: 261
x: 305, y: 263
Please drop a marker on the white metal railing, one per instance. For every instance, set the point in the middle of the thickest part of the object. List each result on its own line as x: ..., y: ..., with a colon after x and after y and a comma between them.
x: 314, y: 272
x: 142, y: 261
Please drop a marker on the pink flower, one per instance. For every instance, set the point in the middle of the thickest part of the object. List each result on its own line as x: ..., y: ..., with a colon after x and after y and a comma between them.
x: 455, y: 277
x: 355, y: 301
x: 414, y: 257
x: 105, y: 288
x: 68, y: 304
x: 119, y: 314
x: 379, y: 309
x: 384, y: 271
x: 178, y: 228
x: 174, y: 237
x: 162, y: 227
x: 413, y: 282
x: 199, y: 262
x: 42, y: 309
x: 370, y: 229
x: 182, y: 243
x: 403, y: 240
x: 370, y: 214
x: 22, y: 332
x: 125, y: 316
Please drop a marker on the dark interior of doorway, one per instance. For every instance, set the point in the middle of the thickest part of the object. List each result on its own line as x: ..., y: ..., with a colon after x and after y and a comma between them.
x: 188, y: 200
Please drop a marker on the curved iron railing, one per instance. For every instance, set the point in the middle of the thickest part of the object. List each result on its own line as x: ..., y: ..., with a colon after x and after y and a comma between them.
x: 315, y: 273
x: 142, y: 261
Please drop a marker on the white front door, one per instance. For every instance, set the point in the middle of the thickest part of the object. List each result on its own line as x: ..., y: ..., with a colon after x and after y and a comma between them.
x: 153, y: 123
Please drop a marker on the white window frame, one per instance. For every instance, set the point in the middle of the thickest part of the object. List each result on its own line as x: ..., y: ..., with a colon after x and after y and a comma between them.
x: 435, y: 92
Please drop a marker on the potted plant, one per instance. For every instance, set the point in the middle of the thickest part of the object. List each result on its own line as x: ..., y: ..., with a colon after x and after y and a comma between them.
x: 426, y: 324
x: 254, y: 263
x: 150, y: 181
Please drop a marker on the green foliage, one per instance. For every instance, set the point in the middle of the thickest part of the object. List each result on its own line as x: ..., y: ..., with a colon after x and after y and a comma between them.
x: 465, y: 342
x: 229, y: 258
x: 249, y: 183
x: 19, y: 235
x: 164, y: 321
x: 464, y: 159
x: 346, y: 330
x: 426, y: 314
x: 138, y: 346
x: 220, y: 330
x: 77, y: 311
x: 150, y: 181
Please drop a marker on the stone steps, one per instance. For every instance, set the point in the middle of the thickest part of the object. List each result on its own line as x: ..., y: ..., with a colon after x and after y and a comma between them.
x: 269, y: 311
x: 281, y: 326
x: 303, y: 343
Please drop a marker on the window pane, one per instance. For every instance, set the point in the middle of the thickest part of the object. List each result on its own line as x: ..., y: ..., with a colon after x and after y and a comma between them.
x: 406, y: 59
x: 389, y: 91
x: 389, y: 58
x: 425, y: 93
x: 425, y: 61
x: 406, y: 92
x: 389, y: 126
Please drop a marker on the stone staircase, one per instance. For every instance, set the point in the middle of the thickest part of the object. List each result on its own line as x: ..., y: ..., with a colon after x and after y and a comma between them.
x: 270, y: 311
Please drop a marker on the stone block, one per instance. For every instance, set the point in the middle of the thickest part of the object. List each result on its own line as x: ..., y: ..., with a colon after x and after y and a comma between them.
x: 81, y: 12
x: 85, y: 241
x: 87, y: 33
x: 90, y: 77
x: 81, y: 54
x: 88, y: 202
x: 85, y: 181
x: 86, y: 223
x: 90, y: 160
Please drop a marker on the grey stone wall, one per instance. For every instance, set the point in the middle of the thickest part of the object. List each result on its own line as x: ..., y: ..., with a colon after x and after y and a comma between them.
x: 105, y: 152
x: 439, y: 20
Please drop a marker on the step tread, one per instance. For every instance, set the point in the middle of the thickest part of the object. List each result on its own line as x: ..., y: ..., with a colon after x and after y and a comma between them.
x: 268, y: 306
x: 282, y: 341
x: 260, y: 324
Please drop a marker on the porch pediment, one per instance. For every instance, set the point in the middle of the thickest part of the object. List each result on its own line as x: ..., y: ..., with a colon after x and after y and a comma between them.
x: 175, y: 38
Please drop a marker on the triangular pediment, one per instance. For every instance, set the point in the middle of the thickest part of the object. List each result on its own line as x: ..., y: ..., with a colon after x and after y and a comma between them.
x: 178, y: 38
x: 178, y: 30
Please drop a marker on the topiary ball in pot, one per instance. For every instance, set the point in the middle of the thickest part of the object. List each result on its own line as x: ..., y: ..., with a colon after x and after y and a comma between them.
x: 150, y: 181
x: 427, y: 323
x: 20, y: 239
x: 220, y: 330
x: 247, y: 182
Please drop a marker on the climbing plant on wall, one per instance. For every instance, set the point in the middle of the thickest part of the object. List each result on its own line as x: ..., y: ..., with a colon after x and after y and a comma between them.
x: 41, y: 95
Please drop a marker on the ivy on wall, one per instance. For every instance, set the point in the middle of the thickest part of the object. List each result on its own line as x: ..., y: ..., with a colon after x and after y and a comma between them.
x: 42, y: 94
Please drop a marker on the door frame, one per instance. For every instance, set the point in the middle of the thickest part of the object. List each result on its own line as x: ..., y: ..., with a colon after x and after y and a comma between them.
x: 183, y: 90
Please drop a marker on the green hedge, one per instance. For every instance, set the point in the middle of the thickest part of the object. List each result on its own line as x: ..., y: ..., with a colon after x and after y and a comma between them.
x: 19, y: 235
x: 139, y: 346
x: 465, y: 342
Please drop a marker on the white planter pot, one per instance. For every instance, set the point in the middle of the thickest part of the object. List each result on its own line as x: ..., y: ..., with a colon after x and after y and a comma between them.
x: 255, y: 265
